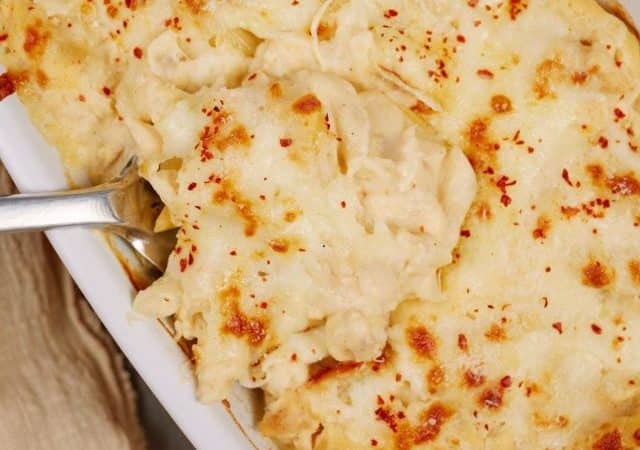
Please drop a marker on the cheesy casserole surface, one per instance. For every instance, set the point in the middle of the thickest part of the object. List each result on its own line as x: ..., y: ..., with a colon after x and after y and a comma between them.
x: 411, y: 223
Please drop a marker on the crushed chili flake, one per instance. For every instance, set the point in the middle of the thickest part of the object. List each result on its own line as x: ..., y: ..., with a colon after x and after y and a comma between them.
x: 558, y: 327
x: 138, y: 53
x: 460, y: 38
x: 389, y: 13
x: 505, y: 200
x: 192, y: 186
x: 286, y: 142
x: 463, y: 343
x: 565, y: 177
x: 619, y: 114
x: 506, y: 381
x: 596, y: 328
x: 485, y: 74
x: 603, y: 142
x: 465, y: 233
x: 106, y: 91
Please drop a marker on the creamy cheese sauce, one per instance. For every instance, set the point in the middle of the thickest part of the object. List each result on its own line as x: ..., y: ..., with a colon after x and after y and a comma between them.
x: 336, y: 248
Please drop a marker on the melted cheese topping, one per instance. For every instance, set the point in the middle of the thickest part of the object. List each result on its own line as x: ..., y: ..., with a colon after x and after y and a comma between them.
x: 310, y: 153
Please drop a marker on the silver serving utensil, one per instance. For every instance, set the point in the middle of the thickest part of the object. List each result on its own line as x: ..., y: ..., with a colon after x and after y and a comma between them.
x: 127, y: 207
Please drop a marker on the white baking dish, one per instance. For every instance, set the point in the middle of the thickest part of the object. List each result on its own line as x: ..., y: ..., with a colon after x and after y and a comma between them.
x: 34, y: 166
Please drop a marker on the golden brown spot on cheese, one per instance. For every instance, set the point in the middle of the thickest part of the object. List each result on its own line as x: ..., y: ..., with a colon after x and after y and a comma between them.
x: 307, y: 104
x: 329, y: 367
x: 7, y: 86
x: 579, y: 78
x: 501, y: 104
x: 326, y: 31
x: 634, y: 271
x: 35, y: 40
x: 290, y: 216
x: 543, y: 226
x: 609, y: 441
x: 243, y: 207
x: 196, y: 6
x: 276, y: 90
x: 112, y: 11
x: 473, y: 379
x: 596, y: 173
x: 569, y: 211
x: 496, y: 333
x: 516, y: 7
x: 624, y: 185
x: 421, y: 341
x: 279, y: 245
x: 480, y: 148
x: 483, y: 211
x: 236, y: 322
x: 435, y: 378
x: 596, y: 275
x: 243, y: 326
x: 420, y: 107
x: 431, y: 422
x: 546, y: 71
x: 491, y: 398
x: 238, y: 136
x: 41, y: 78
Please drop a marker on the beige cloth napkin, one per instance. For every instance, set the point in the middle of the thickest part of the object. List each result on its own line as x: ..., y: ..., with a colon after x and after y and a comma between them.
x: 62, y: 381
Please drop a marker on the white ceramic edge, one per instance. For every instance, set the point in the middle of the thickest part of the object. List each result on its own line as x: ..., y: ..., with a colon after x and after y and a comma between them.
x: 34, y: 166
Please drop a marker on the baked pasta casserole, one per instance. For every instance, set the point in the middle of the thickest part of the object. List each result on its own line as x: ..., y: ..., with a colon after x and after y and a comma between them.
x: 413, y: 224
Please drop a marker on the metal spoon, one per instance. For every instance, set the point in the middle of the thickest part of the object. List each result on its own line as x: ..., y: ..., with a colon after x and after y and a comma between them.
x: 127, y: 207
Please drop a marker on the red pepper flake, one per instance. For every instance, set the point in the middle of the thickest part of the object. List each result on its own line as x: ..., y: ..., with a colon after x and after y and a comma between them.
x: 596, y: 328
x: 465, y: 233
x: 505, y: 200
x: 183, y: 264
x: 294, y: 357
x: 389, y: 13
x: 557, y: 326
x: 485, y: 74
x: 192, y: 186
x: 636, y: 436
x: 603, y: 142
x: 4, y: 37
x: 460, y: 38
x: 82, y: 98
x: 264, y: 305
x: 286, y: 142
x: 106, y: 91
x: 374, y: 443
x: 619, y: 114
x: 463, y: 343
x: 343, y: 204
x: 506, y: 381
x: 233, y: 253
x: 138, y: 53
x: 252, y: 76
x: 565, y: 177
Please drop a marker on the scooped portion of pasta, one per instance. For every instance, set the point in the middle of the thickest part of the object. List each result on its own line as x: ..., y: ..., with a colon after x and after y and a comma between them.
x: 412, y: 224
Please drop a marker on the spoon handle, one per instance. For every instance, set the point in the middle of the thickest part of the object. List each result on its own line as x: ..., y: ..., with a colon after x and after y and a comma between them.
x: 27, y: 212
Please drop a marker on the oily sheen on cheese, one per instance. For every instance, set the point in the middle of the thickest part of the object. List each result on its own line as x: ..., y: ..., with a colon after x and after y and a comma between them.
x: 412, y: 224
